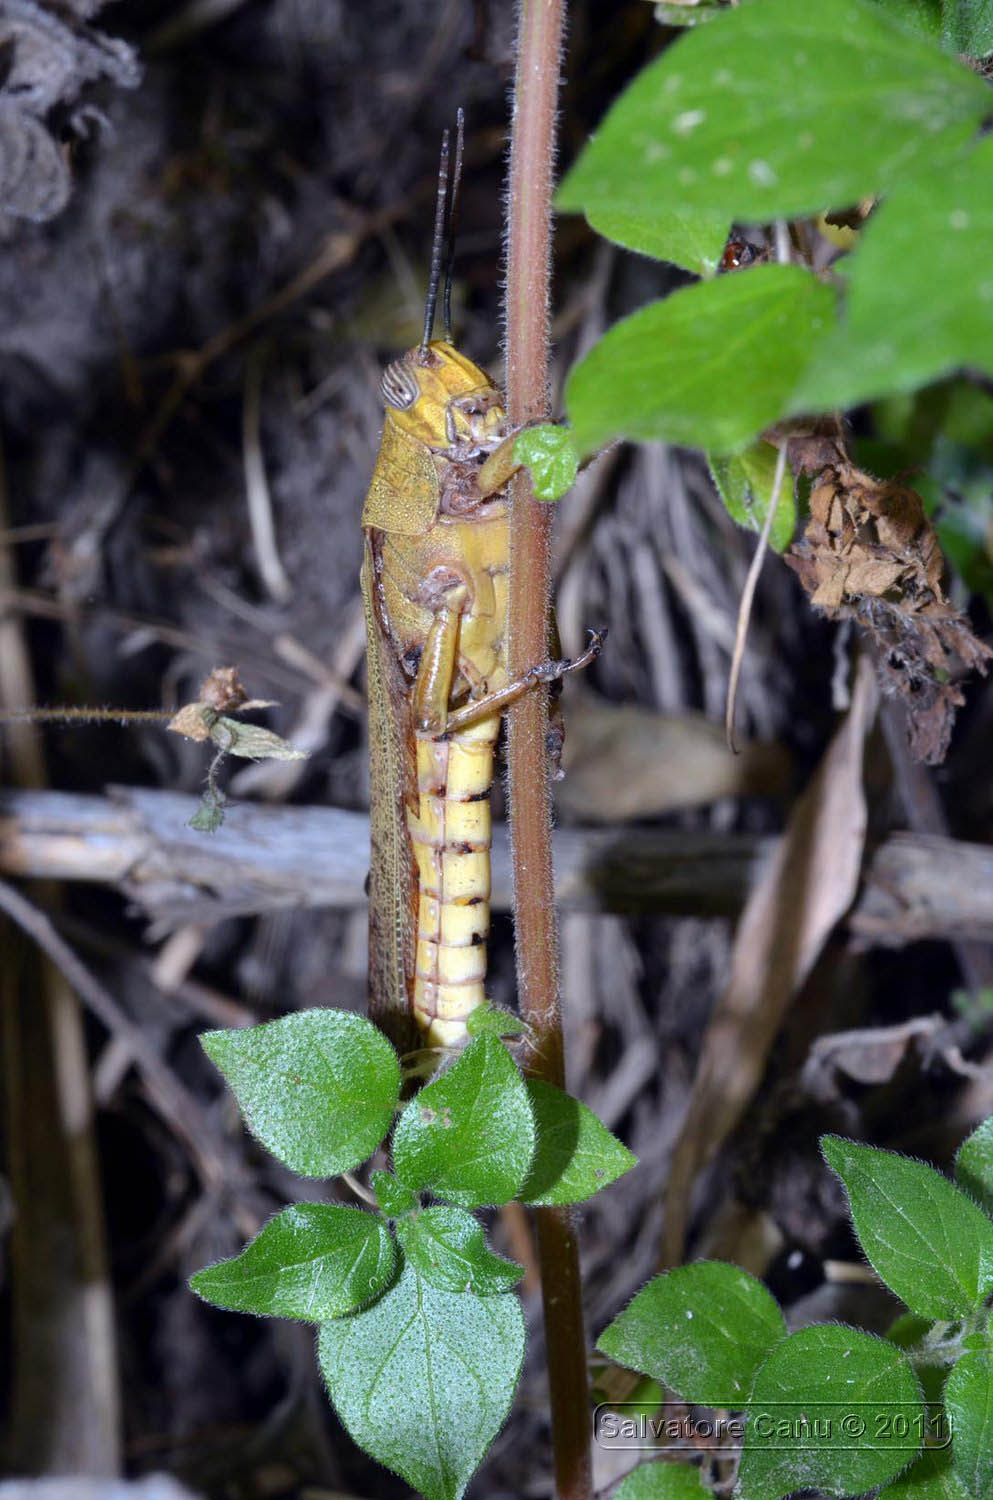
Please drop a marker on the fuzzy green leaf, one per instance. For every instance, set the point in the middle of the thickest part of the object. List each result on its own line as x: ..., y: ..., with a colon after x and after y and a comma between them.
x: 318, y: 1088
x: 919, y: 299
x: 313, y: 1261
x: 967, y: 26
x: 969, y: 1403
x: 662, y: 1481
x: 920, y: 16
x: 468, y: 1136
x: 448, y: 1247
x: 549, y: 452
x: 930, y: 1478
x: 394, y: 1198
x: 964, y: 26
x: 494, y: 1018
x: 974, y: 1164
x: 745, y: 482
x: 777, y: 110
x: 911, y: 1333
x: 252, y: 741
x: 208, y: 817
x: 930, y: 1243
x: 688, y: 12
x: 674, y: 371
x: 907, y: 1330
x: 915, y: 1334
x: 423, y: 1379
x: 691, y: 239
x: 702, y: 1330
x: 813, y: 1415
x: 575, y: 1154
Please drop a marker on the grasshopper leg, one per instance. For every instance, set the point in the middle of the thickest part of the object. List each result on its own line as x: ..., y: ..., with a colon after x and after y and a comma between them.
x: 546, y: 671
x: 436, y: 671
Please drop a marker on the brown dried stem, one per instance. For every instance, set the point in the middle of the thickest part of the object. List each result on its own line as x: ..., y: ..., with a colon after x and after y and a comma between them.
x: 528, y: 264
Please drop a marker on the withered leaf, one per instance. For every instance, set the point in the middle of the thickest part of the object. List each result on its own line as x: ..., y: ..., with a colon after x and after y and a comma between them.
x: 802, y: 893
x: 251, y: 741
x: 206, y: 720
x: 191, y: 723
x: 223, y: 691
x: 48, y: 53
x: 869, y: 553
x: 34, y: 178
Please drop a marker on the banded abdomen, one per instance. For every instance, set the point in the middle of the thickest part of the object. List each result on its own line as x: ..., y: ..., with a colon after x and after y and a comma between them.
x: 451, y: 835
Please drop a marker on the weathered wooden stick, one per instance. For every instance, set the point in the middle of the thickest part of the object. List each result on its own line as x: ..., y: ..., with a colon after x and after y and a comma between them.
x: 265, y: 858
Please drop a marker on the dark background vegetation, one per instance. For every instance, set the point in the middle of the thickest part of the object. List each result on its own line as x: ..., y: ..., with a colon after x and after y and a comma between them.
x: 151, y: 361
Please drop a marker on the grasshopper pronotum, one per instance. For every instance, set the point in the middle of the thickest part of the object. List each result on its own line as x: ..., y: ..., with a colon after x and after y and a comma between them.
x: 434, y: 585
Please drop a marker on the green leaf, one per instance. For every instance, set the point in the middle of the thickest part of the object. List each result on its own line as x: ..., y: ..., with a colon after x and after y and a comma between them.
x: 208, y: 817
x: 319, y: 1088
x: 969, y: 1403
x: 919, y: 291
x: 447, y: 1246
x: 688, y: 12
x: 494, y: 1018
x: 745, y: 482
x: 930, y: 1243
x: 575, y: 1155
x: 468, y: 1136
x: 691, y: 239
x: 710, y: 366
x: 974, y: 1164
x: 549, y: 452
x: 702, y: 1330
x: 662, y: 1481
x: 814, y: 1415
x: 251, y: 741
x: 964, y: 26
x: 778, y: 110
x: 920, y: 16
x: 423, y: 1379
x: 394, y: 1198
x: 919, y: 1336
x: 930, y: 1478
x: 908, y: 1330
x: 313, y: 1261
x: 967, y: 26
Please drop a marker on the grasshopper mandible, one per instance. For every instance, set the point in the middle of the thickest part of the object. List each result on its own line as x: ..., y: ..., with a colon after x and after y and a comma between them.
x: 434, y: 586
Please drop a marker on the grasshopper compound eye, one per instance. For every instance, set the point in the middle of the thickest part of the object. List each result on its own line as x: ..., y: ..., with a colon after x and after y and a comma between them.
x: 399, y: 385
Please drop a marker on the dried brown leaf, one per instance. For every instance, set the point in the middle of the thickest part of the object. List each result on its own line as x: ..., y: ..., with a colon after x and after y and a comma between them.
x: 870, y: 553
x: 191, y: 723
x: 222, y: 693
x: 49, y: 53
x: 625, y: 761
x: 804, y: 891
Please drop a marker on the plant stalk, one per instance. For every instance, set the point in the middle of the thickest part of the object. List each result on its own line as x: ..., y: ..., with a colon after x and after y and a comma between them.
x: 539, y: 44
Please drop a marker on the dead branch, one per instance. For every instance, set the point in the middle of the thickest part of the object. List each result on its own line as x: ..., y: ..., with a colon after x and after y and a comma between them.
x: 265, y: 858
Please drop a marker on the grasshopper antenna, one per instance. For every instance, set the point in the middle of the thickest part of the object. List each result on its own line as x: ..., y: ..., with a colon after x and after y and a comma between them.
x: 453, y: 207
x: 437, y: 251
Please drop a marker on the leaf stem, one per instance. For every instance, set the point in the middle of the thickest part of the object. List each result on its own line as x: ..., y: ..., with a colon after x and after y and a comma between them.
x: 539, y: 41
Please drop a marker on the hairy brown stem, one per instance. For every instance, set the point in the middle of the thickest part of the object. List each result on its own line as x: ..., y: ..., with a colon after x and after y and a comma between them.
x: 539, y: 41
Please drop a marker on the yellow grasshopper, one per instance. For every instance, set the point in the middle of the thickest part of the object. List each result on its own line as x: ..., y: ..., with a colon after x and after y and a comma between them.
x: 434, y: 586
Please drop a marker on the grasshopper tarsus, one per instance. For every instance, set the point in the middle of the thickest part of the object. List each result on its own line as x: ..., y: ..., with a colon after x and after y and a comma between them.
x: 551, y: 671
x: 554, y: 671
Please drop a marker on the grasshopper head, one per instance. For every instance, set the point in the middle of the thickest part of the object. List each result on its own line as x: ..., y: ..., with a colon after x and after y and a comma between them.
x: 440, y: 398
